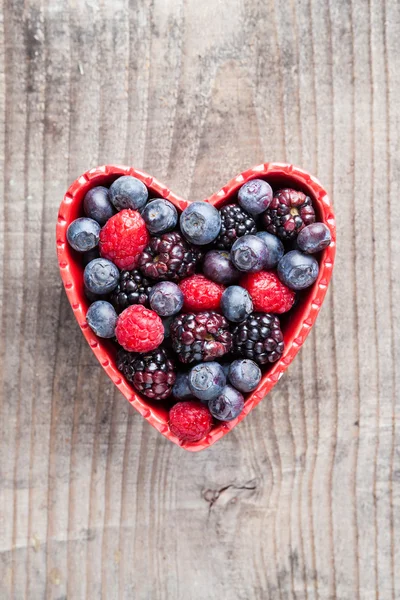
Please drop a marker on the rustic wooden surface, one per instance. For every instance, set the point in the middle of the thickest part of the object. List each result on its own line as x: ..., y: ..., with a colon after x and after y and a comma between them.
x: 302, y: 500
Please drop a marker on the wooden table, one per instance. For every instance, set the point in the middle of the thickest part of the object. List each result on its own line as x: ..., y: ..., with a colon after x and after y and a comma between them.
x: 302, y: 500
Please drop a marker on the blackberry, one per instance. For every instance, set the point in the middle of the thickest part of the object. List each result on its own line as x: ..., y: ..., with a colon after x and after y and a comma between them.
x: 132, y: 288
x: 235, y: 223
x: 289, y: 212
x: 259, y: 337
x: 152, y: 374
x: 170, y: 257
x: 202, y: 336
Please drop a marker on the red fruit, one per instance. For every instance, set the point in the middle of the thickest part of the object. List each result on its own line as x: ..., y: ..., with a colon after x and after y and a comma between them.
x: 123, y: 238
x: 268, y: 293
x: 201, y: 293
x: 139, y: 329
x: 190, y: 421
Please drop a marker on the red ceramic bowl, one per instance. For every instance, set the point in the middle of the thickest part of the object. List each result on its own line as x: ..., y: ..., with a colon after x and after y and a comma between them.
x: 295, y: 325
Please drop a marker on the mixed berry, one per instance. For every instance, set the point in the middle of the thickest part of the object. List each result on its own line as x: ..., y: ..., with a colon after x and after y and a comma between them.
x: 132, y: 288
x: 235, y: 223
x: 200, y: 336
x: 153, y: 374
x: 194, y: 301
x: 168, y: 257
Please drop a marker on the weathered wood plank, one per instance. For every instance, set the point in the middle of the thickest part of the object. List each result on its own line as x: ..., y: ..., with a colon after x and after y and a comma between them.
x: 391, y: 16
x: 13, y: 322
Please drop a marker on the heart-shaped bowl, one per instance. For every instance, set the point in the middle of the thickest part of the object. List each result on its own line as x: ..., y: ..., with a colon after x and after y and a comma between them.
x: 295, y: 325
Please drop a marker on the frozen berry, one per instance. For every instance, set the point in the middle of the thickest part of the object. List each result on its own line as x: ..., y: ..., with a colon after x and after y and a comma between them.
x: 275, y: 249
x: 236, y: 303
x: 128, y: 192
x: 298, y: 271
x: 228, y: 405
x: 249, y: 254
x: 170, y: 257
x: 218, y: 267
x: 207, y: 381
x: 97, y: 205
x: 123, y: 238
x: 139, y: 329
x: 101, y: 276
x: 255, y: 196
x: 314, y: 238
x: 290, y: 211
x: 259, y: 337
x: 190, y: 421
x: 235, y: 223
x: 268, y: 293
x: 132, y: 288
x: 166, y: 298
x: 200, y: 223
x: 200, y: 336
x: 83, y: 234
x: 160, y: 216
x: 152, y: 374
x: 181, y: 389
x: 200, y: 293
x: 244, y: 374
x: 102, y: 318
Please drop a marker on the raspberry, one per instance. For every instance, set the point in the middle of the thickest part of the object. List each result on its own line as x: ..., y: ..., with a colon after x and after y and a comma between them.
x: 123, y: 238
x: 168, y: 257
x: 289, y: 212
x: 200, y: 293
x: 201, y: 336
x: 139, y: 329
x: 268, y: 293
x: 152, y: 374
x: 190, y: 421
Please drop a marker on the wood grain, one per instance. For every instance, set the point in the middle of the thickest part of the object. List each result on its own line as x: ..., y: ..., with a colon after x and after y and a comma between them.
x: 302, y: 500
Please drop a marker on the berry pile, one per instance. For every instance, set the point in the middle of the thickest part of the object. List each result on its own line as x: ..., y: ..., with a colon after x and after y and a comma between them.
x: 192, y: 300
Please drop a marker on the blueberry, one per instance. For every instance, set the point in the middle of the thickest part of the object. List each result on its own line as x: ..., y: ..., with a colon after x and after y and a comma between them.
x: 207, y: 381
x: 102, y: 318
x: 244, y: 375
x: 275, y: 249
x: 166, y: 298
x: 314, y: 238
x: 101, y: 276
x: 128, y: 192
x: 218, y: 267
x: 160, y: 216
x: 97, y: 205
x: 181, y: 389
x: 200, y: 223
x: 228, y: 405
x: 83, y: 234
x: 90, y: 255
x: 236, y: 303
x: 255, y: 196
x: 249, y: 254
x: 298, y: 271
